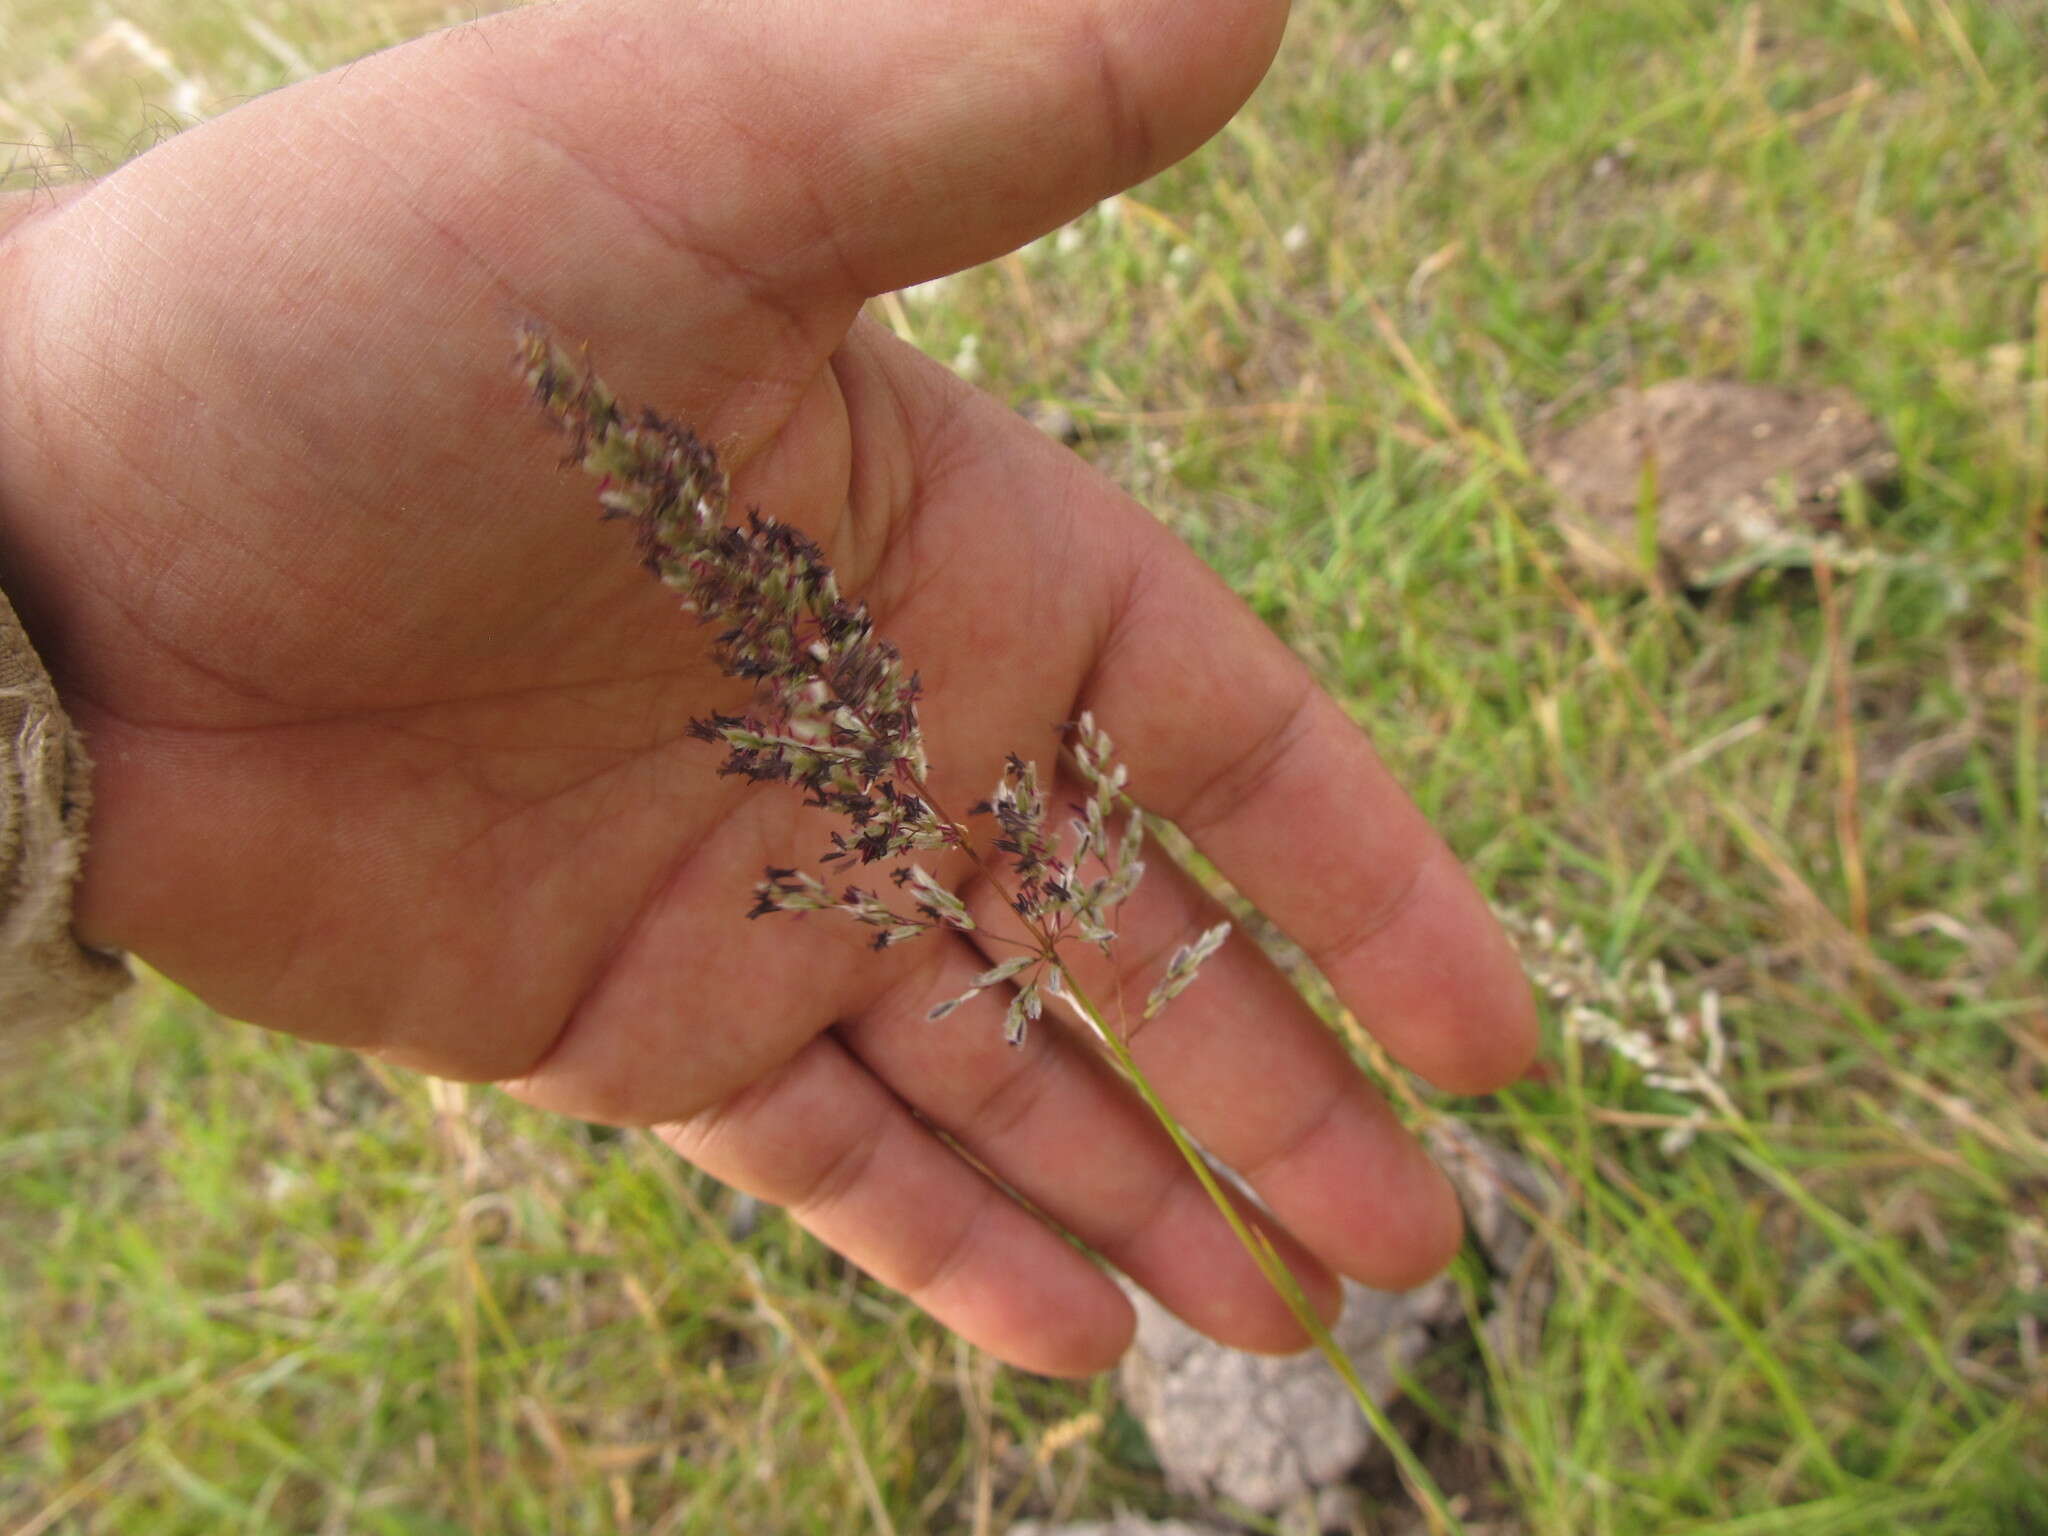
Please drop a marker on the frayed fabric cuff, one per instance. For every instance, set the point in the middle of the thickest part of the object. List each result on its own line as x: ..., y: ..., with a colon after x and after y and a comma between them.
x: 47, y: 977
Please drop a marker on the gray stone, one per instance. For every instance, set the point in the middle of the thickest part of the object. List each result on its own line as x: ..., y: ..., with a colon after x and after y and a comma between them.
x: 1270, y: 1433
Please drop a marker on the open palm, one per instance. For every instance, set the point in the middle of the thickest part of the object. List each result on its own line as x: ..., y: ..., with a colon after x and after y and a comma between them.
x: 391, y: 732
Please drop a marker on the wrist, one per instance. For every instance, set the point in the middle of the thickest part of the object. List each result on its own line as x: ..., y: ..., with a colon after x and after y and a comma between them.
x: 33, y: 563
x: 44, y: 552
x: 46, y: 977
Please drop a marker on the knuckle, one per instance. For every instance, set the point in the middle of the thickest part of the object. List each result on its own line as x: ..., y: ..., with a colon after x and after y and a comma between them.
x: 1243, y: 774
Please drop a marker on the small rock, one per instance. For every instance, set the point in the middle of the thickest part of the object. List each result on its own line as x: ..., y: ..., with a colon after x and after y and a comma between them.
x: 1268, y: 1433
x: 1263, y: 1432
x: 1742, y: 474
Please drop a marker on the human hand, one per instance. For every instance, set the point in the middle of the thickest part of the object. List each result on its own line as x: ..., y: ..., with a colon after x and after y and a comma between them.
x: 391, y: 733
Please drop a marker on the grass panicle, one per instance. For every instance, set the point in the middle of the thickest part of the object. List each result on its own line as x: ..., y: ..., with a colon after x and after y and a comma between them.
x: 817, y: 668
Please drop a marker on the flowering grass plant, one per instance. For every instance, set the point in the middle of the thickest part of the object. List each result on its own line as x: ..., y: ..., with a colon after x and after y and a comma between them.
x: 835, y: 715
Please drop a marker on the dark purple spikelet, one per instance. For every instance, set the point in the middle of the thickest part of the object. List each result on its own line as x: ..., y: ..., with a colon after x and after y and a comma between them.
x: 1055, y: 890
x: 835, y: 710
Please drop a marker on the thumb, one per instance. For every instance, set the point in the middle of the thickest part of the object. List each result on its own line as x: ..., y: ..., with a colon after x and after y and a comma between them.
x: 842, y: 150
x: 747, y: 170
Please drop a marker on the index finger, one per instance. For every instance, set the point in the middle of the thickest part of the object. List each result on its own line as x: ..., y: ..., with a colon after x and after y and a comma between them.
x: 1228, y: 736
x: 1223, y: 729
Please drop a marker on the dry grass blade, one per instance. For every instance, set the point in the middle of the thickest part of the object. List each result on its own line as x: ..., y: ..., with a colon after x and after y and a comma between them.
x: 1848, y: 815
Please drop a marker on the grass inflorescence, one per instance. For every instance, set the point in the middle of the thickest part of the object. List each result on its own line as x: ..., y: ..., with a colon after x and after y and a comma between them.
x: 836, y: 715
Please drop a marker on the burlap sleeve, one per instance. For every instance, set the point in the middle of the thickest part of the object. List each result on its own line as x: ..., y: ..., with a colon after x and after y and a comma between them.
x: 46, y: 976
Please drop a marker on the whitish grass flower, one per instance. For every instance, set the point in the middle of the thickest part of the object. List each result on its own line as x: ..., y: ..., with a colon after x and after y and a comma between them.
x: 1182, y: 967
x: 1634, y: 1013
